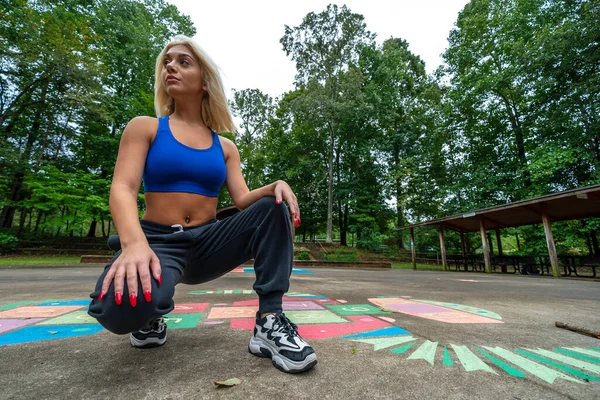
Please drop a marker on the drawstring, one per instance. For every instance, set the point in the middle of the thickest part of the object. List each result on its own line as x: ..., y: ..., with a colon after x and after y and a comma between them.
x: 178, y: 226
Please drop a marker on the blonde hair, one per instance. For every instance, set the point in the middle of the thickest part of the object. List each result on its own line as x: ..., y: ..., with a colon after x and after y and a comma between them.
x: 214, y: 109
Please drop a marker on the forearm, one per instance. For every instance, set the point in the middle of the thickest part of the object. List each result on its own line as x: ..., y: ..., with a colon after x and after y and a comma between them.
x: 124, y: 210
x: 254, y: 195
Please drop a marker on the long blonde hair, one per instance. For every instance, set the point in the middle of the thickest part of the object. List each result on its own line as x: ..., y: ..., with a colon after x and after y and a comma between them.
x: 214, y: 109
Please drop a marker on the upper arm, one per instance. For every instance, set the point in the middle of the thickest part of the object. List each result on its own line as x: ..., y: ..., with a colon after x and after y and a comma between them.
x: 235, y: 182
x: 133, y: 149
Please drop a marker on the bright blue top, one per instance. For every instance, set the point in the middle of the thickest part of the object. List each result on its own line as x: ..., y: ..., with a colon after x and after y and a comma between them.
x: 171, y: 166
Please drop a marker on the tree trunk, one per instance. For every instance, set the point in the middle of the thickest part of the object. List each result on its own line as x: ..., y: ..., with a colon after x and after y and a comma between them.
x: 595, y: 242
x: 37, y: 221
x: 92, y: 230
x: 8, y: 211
x: 329, y: 238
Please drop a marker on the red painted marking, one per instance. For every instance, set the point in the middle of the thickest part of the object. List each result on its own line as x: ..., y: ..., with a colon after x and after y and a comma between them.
x: 188, y: 308
x: 360, y: 323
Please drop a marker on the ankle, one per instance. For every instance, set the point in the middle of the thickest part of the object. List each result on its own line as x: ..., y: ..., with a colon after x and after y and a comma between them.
x: 265, y: 314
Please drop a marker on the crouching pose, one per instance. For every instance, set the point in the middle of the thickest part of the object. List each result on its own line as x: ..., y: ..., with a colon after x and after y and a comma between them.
x: 183, y: 163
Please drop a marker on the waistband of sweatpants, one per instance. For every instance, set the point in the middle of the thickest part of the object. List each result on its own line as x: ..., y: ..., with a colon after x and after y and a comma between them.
x: 162, y: 228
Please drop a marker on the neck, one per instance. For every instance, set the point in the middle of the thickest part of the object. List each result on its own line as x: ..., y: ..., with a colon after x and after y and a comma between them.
x: 188, y: 110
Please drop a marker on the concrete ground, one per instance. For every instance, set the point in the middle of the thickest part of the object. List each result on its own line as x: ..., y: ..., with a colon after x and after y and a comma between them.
x: 451, y: 335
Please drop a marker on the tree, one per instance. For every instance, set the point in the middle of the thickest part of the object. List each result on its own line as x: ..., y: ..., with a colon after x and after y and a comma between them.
x: 323, y: 46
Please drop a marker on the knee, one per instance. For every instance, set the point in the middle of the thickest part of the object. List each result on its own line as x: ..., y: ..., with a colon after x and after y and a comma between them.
x: 122, y: 319
x: 268, y: 204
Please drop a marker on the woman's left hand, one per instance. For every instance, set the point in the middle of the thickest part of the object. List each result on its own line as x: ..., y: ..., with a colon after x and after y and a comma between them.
x: 283, y: 192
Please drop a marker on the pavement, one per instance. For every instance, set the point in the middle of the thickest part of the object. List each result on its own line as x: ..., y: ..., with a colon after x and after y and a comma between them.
x: 378, y: 334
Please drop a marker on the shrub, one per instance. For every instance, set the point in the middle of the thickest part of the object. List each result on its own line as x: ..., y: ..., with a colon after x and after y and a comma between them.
x: 8, y: 243
x: 303, y: 256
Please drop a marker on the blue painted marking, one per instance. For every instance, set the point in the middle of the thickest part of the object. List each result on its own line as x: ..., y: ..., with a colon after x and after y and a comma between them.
x: 66, y: 303
x: 48, y: 332
x: 481, y: 312
x: 294, y: 271
x: 380, y: 332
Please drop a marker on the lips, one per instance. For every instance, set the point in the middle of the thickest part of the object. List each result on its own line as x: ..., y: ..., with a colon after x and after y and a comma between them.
x: 171, y: 78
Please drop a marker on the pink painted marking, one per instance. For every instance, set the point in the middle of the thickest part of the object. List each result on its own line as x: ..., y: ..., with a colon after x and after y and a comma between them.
x: 327, y: 301
x: 387, y: 319
x: 232, y: 312
x: 437, y: 313
x: 188, y: 308
x: 213, y: 322
x: 38, y: 311
x: 360, y: 323
x: 8, y: 324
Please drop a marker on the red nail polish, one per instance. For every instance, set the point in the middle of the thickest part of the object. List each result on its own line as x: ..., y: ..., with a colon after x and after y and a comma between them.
x: 296, y: 223
x: 159, y: 279
x: 133, y: 300
x: 118, y: 298
x: 101, y: 296
x: 147, y: 296
x: 278, y: 201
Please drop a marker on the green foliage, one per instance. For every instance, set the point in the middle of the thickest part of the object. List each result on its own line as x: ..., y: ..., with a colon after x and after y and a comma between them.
x: 303, y: 256
x: 341, y: 254
x: 7, y: 243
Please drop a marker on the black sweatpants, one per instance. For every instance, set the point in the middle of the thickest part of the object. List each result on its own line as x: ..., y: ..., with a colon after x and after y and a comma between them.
x: 203, y: 253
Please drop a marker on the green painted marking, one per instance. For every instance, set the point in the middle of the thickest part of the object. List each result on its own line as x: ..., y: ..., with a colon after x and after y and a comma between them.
x: 384, y: 343
x: 470, y: 361
x: 181, y: 321
x: 447, y: 361
x: 569, y: 370
x: 403, y: 349
x: 578, y: 355
x: 544, y: 373
x: 506, y: 367
x: 583, y: 351
x: 73, y: 318
x: 227, y: 291
x: 237, y: 291
x: 594, y: 348
x: 425, y: 352
x: 219, y: 292
x: 19, y: 304
x: 201, y: 292
x: 357, y: 309
x: 314, y: 317
x: 568, y: 360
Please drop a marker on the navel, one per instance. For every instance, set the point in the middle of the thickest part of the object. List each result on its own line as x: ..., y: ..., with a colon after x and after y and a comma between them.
x: 187, y: 219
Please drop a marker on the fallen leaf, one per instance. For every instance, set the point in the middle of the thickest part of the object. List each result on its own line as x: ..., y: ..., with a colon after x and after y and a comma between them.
x: 227, y: 382
x: 353, y: 351
x: 53, y: 332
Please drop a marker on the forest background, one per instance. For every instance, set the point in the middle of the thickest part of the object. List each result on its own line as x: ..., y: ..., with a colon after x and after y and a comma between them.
x: 367, y: 139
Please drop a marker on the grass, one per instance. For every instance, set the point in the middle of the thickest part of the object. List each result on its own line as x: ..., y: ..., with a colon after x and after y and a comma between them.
x: 419, y: 266
x: 38, y: 260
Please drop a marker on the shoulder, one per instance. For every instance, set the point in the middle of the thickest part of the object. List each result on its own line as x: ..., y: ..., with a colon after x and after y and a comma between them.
x: 143, y: 123
x: 229, y: 148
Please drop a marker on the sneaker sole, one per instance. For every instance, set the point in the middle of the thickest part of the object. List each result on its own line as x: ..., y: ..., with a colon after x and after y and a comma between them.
x: 261, y: 349
x: 148, y: 343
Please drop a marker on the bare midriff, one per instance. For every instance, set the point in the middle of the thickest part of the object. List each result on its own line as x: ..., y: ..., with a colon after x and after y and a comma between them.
x: 187, y: 209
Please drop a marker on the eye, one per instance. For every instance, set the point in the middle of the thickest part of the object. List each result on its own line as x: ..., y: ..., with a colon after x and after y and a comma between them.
x: 184, y: 62
x: 165, y: 62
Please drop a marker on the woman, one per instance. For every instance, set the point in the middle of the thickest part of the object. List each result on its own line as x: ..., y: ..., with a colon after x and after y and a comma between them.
x: 183, y: 164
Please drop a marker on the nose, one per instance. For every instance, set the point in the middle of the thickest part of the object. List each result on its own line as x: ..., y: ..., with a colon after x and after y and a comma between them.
x: 169, y: 67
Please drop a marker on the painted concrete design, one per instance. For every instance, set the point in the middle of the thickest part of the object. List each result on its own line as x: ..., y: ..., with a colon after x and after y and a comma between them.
x: 369, y: 326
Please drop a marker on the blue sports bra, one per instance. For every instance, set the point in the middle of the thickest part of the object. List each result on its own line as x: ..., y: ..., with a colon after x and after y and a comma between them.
x: 172, y: 166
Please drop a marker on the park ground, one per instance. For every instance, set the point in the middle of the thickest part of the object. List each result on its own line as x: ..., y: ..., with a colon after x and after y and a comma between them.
x: 378, y: 333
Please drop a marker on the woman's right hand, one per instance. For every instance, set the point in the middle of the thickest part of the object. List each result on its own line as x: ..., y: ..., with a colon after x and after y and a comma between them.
x: 135, y: 260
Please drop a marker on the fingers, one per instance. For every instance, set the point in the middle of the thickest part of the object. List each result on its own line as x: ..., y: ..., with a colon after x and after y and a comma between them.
x: 132, y: 282
x: 154, y: 272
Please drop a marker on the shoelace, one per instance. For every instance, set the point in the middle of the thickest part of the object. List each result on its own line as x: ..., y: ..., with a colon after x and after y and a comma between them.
x: 286, y: 325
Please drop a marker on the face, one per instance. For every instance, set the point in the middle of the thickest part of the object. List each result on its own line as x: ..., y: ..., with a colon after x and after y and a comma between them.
x: 181, y: 72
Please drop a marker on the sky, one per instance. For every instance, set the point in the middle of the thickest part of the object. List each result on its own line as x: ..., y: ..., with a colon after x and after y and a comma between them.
x: 242, y: 36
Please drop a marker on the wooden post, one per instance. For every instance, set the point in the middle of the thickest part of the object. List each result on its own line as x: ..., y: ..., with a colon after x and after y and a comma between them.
x: 551, y: 246
x: 463, y: 248
x: 486, y: 251
x: 499, y: 242
x: 412, y: 248
x: 443, y: 248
